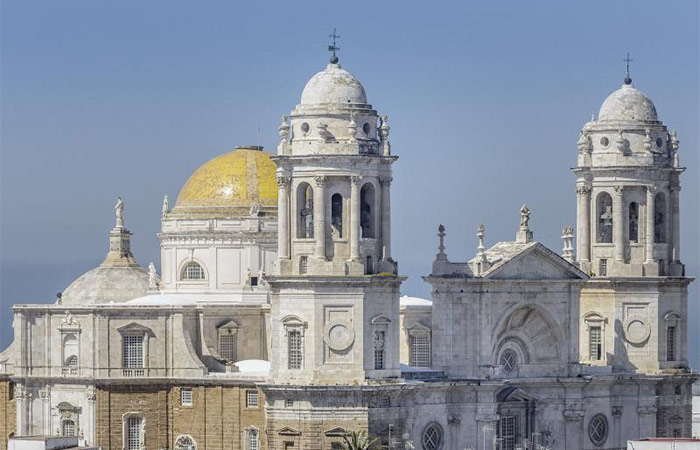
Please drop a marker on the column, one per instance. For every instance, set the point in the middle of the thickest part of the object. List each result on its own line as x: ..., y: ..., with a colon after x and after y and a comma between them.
x: 649, y: 241
x: 283, y: 217
x: 320, y: 218
x: 386, y: 217
x: 355, y: 218
x: 676, y: 223
x: 618, y: 224
x: 583, y: 224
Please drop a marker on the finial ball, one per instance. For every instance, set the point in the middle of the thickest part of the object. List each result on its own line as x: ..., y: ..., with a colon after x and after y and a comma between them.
x: 628, y: 80
x: 334, y: 59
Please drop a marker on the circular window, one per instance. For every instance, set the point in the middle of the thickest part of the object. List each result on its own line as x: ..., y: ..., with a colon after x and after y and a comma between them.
x: 509, y: 360
x: 604, y: 141
x: 185, y: 443
x: 432, y: 437
x: 598, y: 429
x: 305, y: 128
x: 659, y: 142
x: 366, y: 128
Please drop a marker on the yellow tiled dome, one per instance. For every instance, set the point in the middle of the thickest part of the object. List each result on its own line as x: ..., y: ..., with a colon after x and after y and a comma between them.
x: 237, y: 179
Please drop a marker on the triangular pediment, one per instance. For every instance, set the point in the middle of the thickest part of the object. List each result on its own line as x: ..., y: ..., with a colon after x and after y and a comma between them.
x: 536, y: 262
x: 336, y: 432
x: 288, y: 431
x: 135, y: 328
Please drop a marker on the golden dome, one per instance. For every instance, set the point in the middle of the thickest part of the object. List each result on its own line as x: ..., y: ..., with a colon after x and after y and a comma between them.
x: 237, y: 179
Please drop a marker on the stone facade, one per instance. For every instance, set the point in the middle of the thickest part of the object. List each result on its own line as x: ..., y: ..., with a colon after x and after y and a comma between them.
x: 7, y: 411
x: 217, y: 418
x: 277, y: 320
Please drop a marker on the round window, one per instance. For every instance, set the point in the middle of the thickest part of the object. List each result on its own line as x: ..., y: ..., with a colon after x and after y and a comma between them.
x: 305, y: 128
x: 432, y: 437
x: 604, y: 141
x: 509, y: 360
x: 598, y: 429
x: 366, y: 128
x: 659, y: 142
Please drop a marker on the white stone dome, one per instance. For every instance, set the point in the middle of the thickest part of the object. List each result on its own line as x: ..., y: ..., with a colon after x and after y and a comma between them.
x: 628, y: 104
x: 105, y: 285
x: 333, y: 85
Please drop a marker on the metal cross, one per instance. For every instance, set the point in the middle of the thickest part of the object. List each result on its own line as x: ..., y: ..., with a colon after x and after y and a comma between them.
x: 627, y: 60
x: 333, y: 47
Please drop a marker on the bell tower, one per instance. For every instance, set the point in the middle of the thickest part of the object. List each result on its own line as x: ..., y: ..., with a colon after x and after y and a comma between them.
x: 628, y: 213
x: 335, y: 293
x: 634, y: 307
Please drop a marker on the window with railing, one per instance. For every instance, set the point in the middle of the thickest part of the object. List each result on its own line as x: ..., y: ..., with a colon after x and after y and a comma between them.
x: 419, y: 349
x: 132, y: 355
x: 70, y: 366
x: 595, y: 343
x: 294, y: 348
x: 671, y: 343
x: 134, y: 433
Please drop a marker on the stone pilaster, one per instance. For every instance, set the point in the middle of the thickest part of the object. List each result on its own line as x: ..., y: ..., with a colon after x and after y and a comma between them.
x: 284, y: 227
x: 355, y: 218
x: 583, y: 224
x: 649, y: 239
x: 320, y: 218
x: 618, y: 224
x: 386, y: 217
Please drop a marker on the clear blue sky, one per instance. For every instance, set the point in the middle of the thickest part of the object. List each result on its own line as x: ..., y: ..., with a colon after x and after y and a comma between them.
x: 485, y: 99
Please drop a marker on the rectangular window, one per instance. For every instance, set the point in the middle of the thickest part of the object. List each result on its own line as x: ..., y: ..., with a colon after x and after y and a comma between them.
x: 253, y: 281
x: 603, y: 267
x: 186, y: 397
x: 294, y: 349
x: 379, y: 339
x: 132, y: 355
x: 420, y: 351
x: 227, y: 346
x: 595, y: 343
x: 133, y: 433
x: 251, y: 399
x: 671, y: 343
x: 508, y: 431
x: 288, y: 445
x: 252, y: 439
x: 303, y: 264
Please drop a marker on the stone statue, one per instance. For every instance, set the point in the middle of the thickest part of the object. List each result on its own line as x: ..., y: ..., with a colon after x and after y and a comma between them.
x: 152, y: 276
x: 247, y: 276
x: 119, y: 211
x: 524, y: 218
x: 254, y: 209
x: 261, y: 277
x: 166, y: 206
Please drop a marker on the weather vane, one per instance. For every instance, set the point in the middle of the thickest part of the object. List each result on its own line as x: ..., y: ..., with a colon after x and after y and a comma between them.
x: 627, y: 61
x: 333, y: 47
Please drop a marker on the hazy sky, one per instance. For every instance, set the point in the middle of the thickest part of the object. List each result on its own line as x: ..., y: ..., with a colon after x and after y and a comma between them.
x: 485, y: 100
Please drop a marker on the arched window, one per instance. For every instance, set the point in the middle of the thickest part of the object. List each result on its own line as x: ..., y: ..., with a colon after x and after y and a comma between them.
x: 604, y: 210
x: 337, y: 214
x: 68, y: 428
x: 432, y: 437
x: 509, y: 360
x: 193, y: 271
x: 252, y: 439
x: 70, y: 354
x: 660, y: 218
x: 598, y: 429
x: 634, y: 222
x: 185, y: 443
x: 305, y: 211
x: 367, y: 211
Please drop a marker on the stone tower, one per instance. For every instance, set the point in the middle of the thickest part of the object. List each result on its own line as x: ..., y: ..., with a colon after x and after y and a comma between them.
x: 335, y: 292
x: 628, y: 190
x: 633, y: 309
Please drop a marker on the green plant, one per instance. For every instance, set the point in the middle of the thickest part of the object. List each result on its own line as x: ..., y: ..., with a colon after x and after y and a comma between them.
x: 358, y: 440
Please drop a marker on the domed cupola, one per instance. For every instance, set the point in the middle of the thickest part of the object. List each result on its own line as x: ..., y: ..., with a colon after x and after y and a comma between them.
x: 334, y: 117
x: 628, y: 105
x: 118, y: 279
x: 333, y: 85
x: 627, y: 132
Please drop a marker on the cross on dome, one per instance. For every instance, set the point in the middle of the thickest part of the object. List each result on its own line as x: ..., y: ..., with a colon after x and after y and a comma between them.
x: 333, y: 47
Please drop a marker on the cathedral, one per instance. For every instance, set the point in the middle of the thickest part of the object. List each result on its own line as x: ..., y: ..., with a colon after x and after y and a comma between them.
x: 277, y: 321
